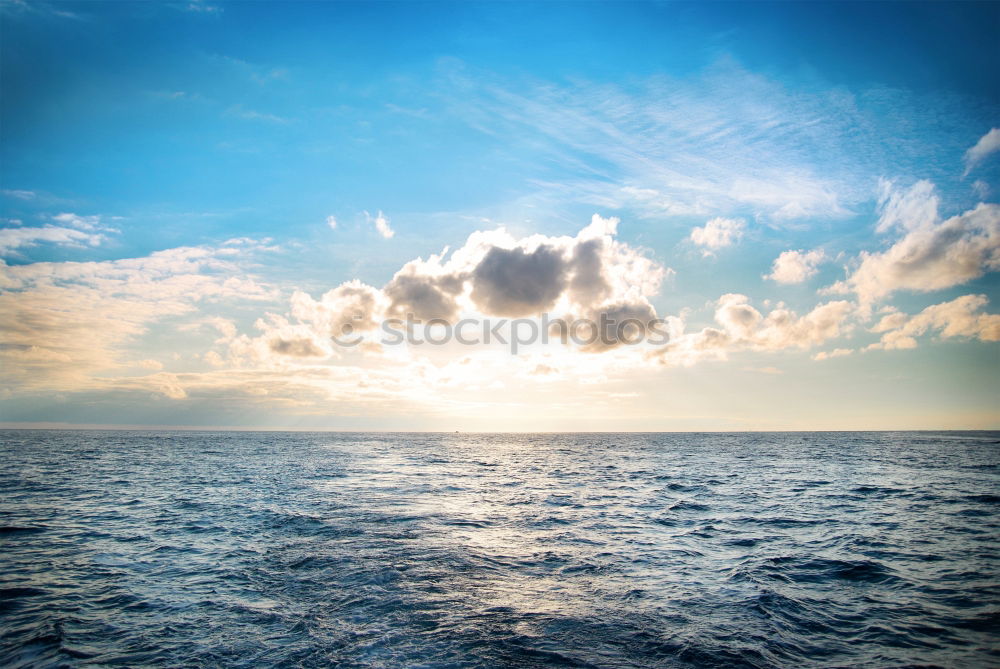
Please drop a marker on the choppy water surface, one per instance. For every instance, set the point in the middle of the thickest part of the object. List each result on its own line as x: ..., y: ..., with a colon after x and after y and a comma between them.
x: 417, y: 550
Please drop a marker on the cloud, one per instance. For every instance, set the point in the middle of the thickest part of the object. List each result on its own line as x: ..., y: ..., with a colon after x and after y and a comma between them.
x: 492, y: 275
x: 835, y: 353
x: 424, y: 296
x: 781, y: 328
x: 214, y: 359
x: 20, y: 194
x: 299, y: 348
x: 665, y: 146
x: 354, y: 303
x: 75, y: 326
x: 332, y: 222
x: 39, y: 8
x: 12, y: 239
x: 718, y: 233
x: 795, y: 266
x: 201, y: 7
x: 931, y: 254
x: 172, y: 95
x: 381, y: 223
x: 80, y: 222
x: 515, y: 282
x: 960, y: 317
x: 73, y: 230
x: 913, y: 209
x: 743, y: 328
x: 240, y: 111
x: 634, y: 316
x: 61, y: 324
x: 987, y: 144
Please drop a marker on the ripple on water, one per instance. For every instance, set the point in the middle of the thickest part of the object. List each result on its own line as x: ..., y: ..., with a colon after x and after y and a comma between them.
x: 575, y: 550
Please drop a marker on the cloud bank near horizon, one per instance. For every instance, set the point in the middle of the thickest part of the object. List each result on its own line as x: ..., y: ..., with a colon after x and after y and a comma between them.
x: 67, y: 327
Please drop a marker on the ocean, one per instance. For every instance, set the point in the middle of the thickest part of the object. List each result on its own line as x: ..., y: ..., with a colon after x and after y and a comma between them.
x: 297, y: 549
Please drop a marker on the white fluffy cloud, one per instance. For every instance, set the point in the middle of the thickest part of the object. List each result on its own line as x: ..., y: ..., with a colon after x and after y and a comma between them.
x: 931, y: 254
x: 782, y: 328
x: 795, y: 266
x: 331, y: 221
x: 987, y: 144
x: 492, y: 275
x: 742, y: 327
x: 718, y: 233
x: 960, y: 317
x: 73, y: 326
x: 381, y: 223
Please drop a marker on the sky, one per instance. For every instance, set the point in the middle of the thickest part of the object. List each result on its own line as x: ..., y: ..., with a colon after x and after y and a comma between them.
x: 801, y: 198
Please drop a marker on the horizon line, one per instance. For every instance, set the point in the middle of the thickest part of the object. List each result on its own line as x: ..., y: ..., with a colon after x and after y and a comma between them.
x: 82, y: 427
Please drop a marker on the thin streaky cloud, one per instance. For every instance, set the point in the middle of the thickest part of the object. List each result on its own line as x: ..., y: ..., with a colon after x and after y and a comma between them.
x: 987, y: 145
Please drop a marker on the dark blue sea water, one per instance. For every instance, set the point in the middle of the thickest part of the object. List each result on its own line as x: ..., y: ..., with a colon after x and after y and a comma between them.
x: 212, y: 549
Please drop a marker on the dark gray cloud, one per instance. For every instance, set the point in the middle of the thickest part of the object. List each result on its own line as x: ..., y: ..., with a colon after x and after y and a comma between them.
x: 588, y: 285
x: 514, y: 283
x: 620, y: 324
x: 297, y: 348
x: 425, y: 297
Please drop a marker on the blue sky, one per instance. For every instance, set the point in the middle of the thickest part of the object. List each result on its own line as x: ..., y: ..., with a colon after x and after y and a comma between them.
x: 144, y: 138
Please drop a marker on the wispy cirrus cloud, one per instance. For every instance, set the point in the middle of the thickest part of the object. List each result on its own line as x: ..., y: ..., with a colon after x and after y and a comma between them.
x: 201, y: 7
x: 73, y: 230
x: 39, y: 8
x: 20, y: 194
x: 13, y: 239
x: 987, y: 145
x: 239, y: 111
x: 724, y: 141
